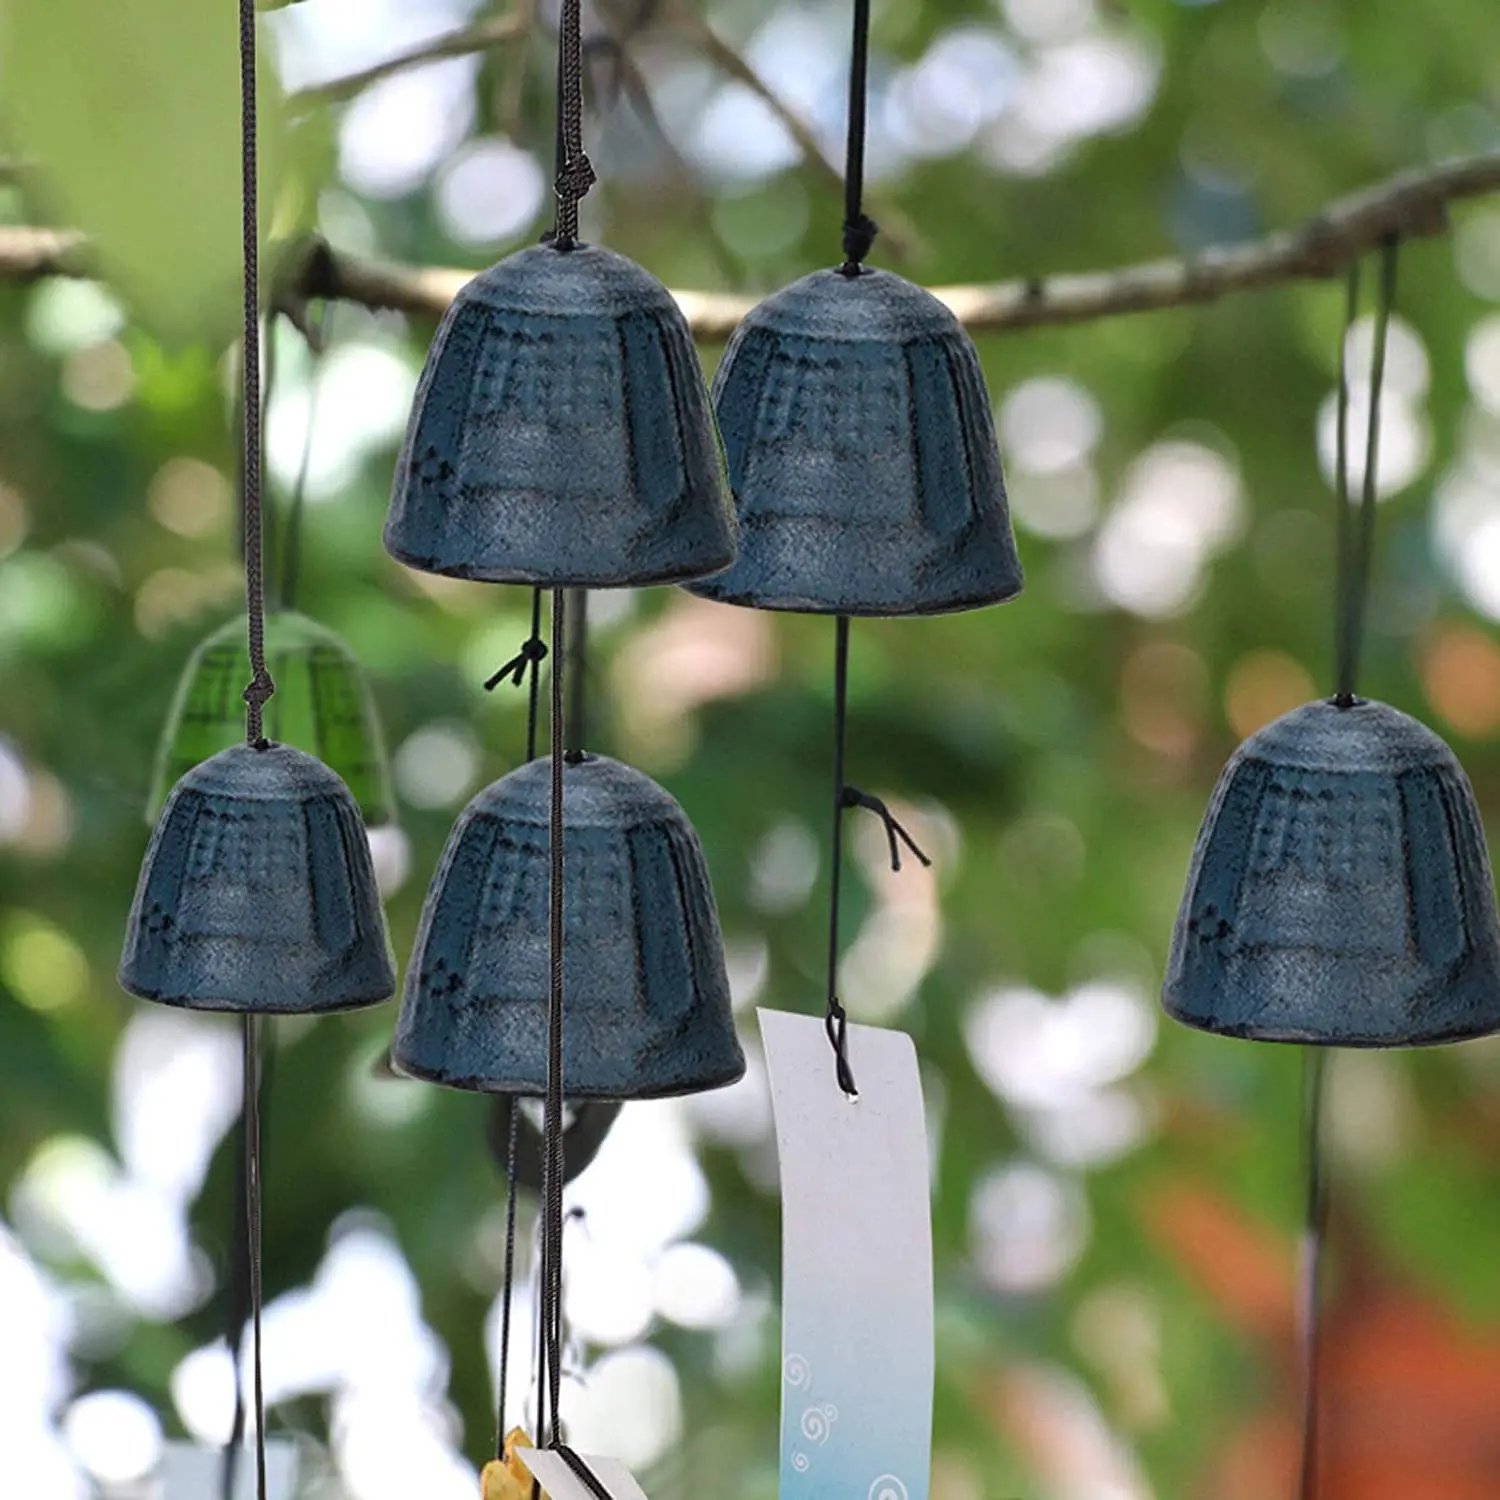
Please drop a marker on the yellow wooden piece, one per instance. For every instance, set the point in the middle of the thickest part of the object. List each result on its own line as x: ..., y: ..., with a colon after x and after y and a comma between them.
x: 509, y: 1478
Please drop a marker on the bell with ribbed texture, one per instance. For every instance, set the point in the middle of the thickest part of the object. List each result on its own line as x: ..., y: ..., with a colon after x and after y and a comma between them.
x: 257, y: 892
x: 1340, y: 890
x: 862, y: 455
x: 322, y: 705
x: 645, y: 992
x: 561, y: 433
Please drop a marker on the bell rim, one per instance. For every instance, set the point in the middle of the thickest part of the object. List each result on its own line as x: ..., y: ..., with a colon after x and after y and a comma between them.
x: 534, y: 578
x: 234, y: 1007
x: 791, y: 604
x: 1286, y: 1036
x: 518, y: 1090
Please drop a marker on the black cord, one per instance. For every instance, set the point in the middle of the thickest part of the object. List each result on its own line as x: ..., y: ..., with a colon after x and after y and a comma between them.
x: 1356, y: 546
x: 509, y: 1281
x: 1315, y: 1228
x: 835, y: 1019
x: 251, y: 1106
x: 531, y: 656
x: 578, y: 648
x: 581, y: 1471
x: 261, y: 687
x: 575, y: 173
x: 859, y: 229
x: 549, y: 1427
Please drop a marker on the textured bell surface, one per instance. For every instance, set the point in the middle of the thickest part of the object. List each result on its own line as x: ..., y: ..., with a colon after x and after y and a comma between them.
x: 562, y: 433
x: 1340, y: 890
x: 862, y: 456
x: 257, y: 892
x: 322, y: 705
x: 645, y: 992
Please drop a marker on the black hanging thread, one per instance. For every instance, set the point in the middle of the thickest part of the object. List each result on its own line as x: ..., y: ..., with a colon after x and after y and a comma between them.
x: 251, y: 1107
x: 859, y: 229
x: 549, y: 1426
x: 846, y: 796
x: 1314, y: 1236
x: 575, y: 173
x: 261, y: 686
x: 1355, y: 547
x: 533, y: 652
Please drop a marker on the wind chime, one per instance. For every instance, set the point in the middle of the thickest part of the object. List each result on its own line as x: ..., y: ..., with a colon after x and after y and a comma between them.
x: 569, y: 946
x: 1340, y: 892
x: 257, y: 894
x: 323, y: 702
x: 862, y: 458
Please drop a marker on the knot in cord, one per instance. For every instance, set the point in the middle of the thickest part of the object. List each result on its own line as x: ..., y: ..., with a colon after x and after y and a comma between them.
x: 859, y: 240
x: 836, y: 1024
x: 533, y: 649
x: 853, y: 797
x: 575, y: 177
x: 256, y: 696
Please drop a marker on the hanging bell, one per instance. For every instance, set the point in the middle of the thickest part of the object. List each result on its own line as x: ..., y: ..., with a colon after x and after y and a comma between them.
x: 862, y: 455
x: 257, y: 892
x: 1340, y: 890
x: 646, y: 994
x: 322, y: 705
x: 561, y: 433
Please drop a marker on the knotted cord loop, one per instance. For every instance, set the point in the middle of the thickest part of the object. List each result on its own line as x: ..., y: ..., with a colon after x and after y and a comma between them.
x: 859, y: 240
x: 859, y: 229
x: 574, y: 172
x: 533, y: 651
x: 836, y: 1024
x: 853, y: 797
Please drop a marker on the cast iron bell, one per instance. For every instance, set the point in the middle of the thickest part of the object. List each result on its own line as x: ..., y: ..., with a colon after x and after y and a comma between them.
x: 862, y: 455
x: 561, y: 433
x: 257, y: 892
x: 322, y: 705
x: 646, y: 994
x: 1340, y: 890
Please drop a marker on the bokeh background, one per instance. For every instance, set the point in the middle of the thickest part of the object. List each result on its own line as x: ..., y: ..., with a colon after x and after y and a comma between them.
x: 1116, y: 1201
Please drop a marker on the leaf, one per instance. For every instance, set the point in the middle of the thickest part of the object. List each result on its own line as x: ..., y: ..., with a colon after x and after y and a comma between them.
x: 131, y: 109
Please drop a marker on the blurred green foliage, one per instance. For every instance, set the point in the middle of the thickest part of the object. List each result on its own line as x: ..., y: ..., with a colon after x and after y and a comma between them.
x: 1056, y: 754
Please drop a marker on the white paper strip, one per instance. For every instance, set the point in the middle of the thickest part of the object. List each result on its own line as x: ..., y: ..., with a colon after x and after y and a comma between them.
x: 857, y: 1315
x: 561, y: 1483
x: 190, y: 1471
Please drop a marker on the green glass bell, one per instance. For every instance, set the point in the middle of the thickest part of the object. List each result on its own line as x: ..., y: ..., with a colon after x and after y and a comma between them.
x: 323, y: 705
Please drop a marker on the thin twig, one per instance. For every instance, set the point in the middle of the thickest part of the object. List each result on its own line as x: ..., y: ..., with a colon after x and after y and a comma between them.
x: 479, y: 37
x: 897, y: 231
x: 1413, y: 205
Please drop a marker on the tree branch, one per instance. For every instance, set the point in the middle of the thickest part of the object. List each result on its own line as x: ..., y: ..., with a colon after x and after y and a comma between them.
x: 479, y: 37
x: 1413, y: 205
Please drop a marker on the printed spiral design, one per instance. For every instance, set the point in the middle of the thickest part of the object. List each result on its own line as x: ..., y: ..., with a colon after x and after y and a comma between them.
x: 801, y: 1462
x: 888, y: 1487
x: 796, y: 1372
x: 817, y: 1422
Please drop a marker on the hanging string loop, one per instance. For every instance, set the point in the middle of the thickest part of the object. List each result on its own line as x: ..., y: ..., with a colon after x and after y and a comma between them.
x: 575, y: 172
x: 533, y: 652
x: 853, y: 797
x: 859, y: 228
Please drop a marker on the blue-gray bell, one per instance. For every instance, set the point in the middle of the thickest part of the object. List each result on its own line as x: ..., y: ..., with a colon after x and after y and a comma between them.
x: 257, y: 892
x: 862, y: 455
x: 561, y: 433
x: 645, y: 992
x: 1340, y: 890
